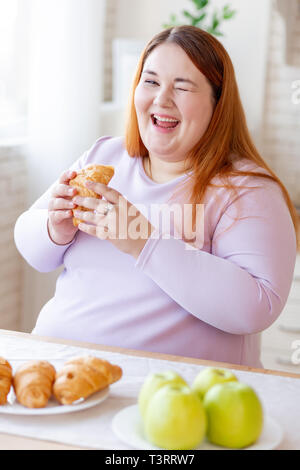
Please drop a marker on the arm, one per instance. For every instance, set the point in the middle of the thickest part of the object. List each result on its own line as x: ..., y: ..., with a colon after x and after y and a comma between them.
x: 242, y: 286
x: 31, y: 230
x: 32, y: 237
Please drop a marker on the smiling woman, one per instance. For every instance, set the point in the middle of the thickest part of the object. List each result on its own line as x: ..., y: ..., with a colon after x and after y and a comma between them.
x: 227, y: 134
x: 154, y: 288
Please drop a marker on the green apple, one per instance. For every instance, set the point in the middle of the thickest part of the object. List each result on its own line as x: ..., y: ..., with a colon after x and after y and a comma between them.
x: 211, y: 376
x: 175, y: 418
x: 154, y: 382
x: 235, y: 415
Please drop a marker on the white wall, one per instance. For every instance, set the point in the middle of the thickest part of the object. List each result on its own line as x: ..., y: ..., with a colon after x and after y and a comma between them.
x: 247, y: 41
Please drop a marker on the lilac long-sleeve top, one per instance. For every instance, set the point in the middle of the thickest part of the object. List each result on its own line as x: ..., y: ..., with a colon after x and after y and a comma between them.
x: 209, y: 302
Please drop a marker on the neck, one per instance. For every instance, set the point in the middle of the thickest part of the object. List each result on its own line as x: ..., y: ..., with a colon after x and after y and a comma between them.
x: 161, y: 171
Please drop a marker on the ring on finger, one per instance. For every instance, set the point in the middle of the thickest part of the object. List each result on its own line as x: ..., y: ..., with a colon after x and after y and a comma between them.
x: 108, y: 208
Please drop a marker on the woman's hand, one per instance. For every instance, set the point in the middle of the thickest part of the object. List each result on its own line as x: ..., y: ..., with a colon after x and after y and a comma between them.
x: 113, y: 219
x: 60, y: 214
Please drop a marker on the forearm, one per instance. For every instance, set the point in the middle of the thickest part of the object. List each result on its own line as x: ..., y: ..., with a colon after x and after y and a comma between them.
x: 213, y: 289
x: 37, y: 242
x: 243, y: 283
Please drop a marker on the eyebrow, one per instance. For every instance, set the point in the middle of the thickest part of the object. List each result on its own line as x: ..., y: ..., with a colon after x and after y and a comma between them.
x: 177, y: 80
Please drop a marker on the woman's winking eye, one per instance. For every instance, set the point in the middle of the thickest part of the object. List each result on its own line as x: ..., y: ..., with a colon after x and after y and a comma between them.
x: 153, y: 82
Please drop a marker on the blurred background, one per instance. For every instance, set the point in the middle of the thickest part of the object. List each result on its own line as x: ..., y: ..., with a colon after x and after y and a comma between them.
x: 65, y: 71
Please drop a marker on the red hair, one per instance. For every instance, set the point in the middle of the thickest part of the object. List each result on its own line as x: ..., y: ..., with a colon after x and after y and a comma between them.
x: 227, y: 133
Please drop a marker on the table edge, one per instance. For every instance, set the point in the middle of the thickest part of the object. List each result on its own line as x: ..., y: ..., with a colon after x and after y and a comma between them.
x: 148, y: 354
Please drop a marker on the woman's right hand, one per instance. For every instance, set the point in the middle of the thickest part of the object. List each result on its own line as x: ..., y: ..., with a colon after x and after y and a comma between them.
x: 60, y: 214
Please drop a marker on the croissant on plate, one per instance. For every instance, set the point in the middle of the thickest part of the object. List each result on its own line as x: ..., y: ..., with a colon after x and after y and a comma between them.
x: 80, y: 377
x: 98, y: 173
x: 33, y: 383
x: 6, y: 376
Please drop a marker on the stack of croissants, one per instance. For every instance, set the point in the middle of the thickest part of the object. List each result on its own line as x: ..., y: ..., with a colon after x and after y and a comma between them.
x: 35, y: 382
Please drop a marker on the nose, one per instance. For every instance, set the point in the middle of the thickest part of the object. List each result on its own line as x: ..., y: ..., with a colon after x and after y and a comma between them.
x: 163, y: 98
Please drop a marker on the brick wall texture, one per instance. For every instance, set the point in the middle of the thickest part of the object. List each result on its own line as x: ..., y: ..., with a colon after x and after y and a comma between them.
x: 109, y: 33
x: 282, y: 112
x: 13, y: 199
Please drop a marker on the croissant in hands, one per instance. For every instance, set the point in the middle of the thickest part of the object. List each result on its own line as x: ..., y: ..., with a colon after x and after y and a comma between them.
x: 97, y: 173
x: 6, y: 377
x: 33, y: 383
x: 80, y: 377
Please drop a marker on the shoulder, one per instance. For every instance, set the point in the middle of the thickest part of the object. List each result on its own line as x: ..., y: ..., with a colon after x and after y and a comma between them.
x: 248, y: 179
x: 255, y: 208
x: 106, y: 150
x: 245, y: 194
x: 249, y: 172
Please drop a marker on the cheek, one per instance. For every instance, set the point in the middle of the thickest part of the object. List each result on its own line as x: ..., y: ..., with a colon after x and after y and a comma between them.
x: 198, y: 112
x: 141, y: 100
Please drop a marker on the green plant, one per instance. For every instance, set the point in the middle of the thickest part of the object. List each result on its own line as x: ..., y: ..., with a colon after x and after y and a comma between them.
x: 201, y: 18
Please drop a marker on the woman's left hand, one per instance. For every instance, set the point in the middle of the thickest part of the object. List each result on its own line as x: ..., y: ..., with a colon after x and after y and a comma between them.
x: 113, y: 219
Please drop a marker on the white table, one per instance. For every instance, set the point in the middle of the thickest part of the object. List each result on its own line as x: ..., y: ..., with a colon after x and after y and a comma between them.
x: 279, y: 391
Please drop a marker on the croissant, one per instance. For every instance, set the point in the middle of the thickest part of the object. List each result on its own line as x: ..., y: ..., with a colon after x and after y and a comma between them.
x: 80, y: 377
x: 6, y: 376
x: 98, y: 173
x: 33, y: 383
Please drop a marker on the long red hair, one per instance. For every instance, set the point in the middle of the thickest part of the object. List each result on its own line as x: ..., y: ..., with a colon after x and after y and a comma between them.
x: 227, y: 133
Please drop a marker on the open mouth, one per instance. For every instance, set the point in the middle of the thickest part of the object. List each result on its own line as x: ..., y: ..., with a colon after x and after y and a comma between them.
x: 163, y: 122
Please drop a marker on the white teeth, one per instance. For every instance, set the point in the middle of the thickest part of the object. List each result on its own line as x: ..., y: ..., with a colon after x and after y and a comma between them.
x: 164, y: 119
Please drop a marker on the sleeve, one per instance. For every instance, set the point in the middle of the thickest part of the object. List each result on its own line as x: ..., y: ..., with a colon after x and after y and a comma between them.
x: 31, y: 232
x: 242, y: 286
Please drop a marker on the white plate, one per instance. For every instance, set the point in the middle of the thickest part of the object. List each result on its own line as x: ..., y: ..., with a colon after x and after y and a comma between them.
x: 53, y: 407
x: 127, y: 425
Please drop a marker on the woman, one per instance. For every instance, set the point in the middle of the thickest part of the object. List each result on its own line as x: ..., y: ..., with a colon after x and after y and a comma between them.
x: 205, y: 292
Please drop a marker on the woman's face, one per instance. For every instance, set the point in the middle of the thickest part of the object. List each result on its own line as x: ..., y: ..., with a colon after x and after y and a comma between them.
x: 174, y: 103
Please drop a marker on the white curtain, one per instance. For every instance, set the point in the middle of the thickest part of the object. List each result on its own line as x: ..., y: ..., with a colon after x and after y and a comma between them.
x: 65, y: 85
x: 13, y: 68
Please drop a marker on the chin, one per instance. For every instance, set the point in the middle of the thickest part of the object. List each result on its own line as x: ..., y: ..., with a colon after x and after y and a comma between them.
x: 168, y: 151
x: 167, y: 156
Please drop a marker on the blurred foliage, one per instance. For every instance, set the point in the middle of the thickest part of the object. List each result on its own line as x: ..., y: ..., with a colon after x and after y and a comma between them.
x: 201, y: 18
